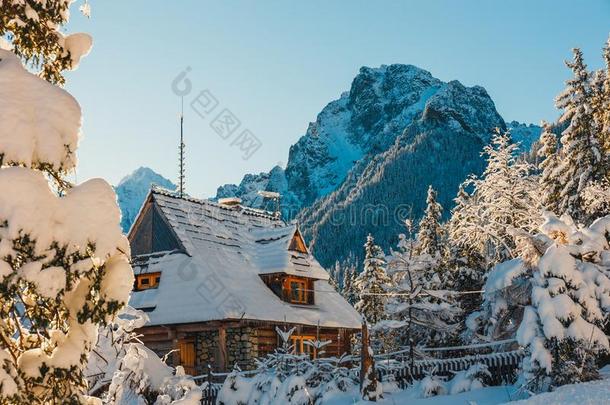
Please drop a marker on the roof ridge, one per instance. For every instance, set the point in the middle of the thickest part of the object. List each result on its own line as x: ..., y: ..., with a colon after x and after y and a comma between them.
x: 245, y: 210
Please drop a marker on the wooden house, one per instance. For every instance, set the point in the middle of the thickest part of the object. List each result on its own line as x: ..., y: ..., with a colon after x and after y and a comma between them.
x: 217, y: 279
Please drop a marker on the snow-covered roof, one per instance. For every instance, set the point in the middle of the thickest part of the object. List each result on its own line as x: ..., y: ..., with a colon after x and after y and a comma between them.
x: 217, y: 274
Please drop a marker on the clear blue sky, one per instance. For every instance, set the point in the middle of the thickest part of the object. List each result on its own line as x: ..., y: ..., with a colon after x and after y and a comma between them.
x: 276, y: 64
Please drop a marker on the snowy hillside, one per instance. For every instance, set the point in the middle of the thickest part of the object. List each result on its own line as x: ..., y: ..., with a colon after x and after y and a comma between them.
x: 132, y: 191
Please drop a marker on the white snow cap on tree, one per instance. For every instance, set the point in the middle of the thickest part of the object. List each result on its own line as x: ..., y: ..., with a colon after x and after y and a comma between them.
x: 64, y: 266
x: 76, y: 46
x: 39, y: 123
x: 87, y: 216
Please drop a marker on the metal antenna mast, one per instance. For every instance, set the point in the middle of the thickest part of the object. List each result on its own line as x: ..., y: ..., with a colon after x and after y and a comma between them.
x: 181, y: 176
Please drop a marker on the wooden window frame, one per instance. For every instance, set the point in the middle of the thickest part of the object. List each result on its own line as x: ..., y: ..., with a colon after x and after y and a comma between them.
x: 147, y: 281
x: 302, y: 291
x: 299, y: 346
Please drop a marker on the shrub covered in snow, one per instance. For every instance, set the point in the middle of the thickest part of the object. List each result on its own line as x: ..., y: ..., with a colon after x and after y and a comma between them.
x: 286, y: 378
x: 431, y: 386
x: 121, y: 370
x: 471, y: 379
x: 468, y: 380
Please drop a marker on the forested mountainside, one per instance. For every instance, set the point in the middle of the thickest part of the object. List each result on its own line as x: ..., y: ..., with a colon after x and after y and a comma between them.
x: 375, y: 149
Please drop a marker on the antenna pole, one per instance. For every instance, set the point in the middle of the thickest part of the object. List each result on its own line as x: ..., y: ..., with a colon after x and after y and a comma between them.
x: 181, y: 176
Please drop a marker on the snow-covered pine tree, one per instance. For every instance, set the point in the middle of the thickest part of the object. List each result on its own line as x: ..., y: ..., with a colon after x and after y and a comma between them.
x: 34, y: 27
x: 348, y: 289
x: 548, y: 166
x: 595, y: 197
x: 504, y: 197
x: 430, y: 235
x: 581, y: 155
x: 335, y: 276
x: 64, y: 266
x: 562, y: 327
x: 601, y: 108
x: 421, y: 311
x: 371, y: 283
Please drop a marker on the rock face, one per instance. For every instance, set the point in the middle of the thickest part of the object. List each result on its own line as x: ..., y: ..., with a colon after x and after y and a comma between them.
x: 366, y: 162
x: 524, y: 134
x: 132, y: 191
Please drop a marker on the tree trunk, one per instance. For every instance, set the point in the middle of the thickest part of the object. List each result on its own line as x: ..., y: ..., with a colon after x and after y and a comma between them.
x: 368, y: 377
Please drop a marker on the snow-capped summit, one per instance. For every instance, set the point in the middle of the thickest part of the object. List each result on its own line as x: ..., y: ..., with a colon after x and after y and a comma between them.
x: 380, y: 144
x: 132, y: 191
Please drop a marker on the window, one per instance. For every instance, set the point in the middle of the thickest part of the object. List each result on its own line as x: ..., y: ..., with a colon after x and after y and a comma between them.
x: 146, y: 281
x: 300, y: 346
x: 293, y: 289
x: 296, y: 290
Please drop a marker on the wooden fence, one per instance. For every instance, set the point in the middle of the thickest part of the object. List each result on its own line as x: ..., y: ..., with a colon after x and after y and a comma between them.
x: 502, y: 366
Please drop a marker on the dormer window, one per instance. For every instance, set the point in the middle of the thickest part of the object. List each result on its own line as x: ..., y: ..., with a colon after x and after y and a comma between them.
x: 292, y: 289
x: 147, y: 281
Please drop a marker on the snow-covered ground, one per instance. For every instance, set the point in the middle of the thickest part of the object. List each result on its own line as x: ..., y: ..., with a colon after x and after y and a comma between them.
x: 591, y: 393
x: 483, y: 396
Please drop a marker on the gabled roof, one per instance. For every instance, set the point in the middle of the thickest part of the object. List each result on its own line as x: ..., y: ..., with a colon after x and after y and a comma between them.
x: 214, y: 273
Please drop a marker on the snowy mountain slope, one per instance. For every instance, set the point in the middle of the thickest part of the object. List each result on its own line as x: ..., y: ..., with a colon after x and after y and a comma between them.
x: 440, y: 147
x: 132, y: 191
x: 365, y: 120
x: 376, y: 149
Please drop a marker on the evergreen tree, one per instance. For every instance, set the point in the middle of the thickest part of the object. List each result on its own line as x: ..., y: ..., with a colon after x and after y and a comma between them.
x: 425, y: 310
x: 504, y: 198
x: 335, y: 276
x: 595, y: 197
x: 430, y: 236
x: 348, y: 289
x: 34, y: 27
x: 371, y: 283
x: 64, y: 265
x: 602, y: 106
x: 548, y: 166
x: 562, y: 327
x: 581, y: 158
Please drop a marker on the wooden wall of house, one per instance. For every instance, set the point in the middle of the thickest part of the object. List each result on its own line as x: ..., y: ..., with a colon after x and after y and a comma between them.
x: 140, y: 238
x: 264, y: 339
x: 268, y: 339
